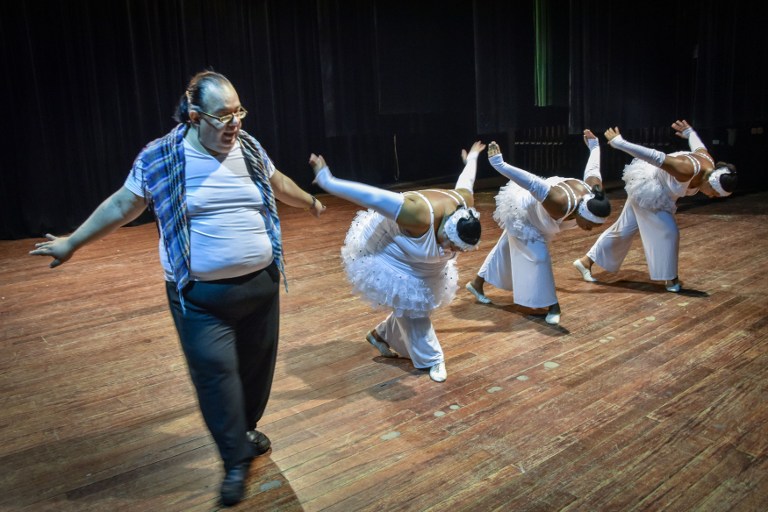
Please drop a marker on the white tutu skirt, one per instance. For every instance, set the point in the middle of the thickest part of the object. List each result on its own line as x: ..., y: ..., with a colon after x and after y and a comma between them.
x: 388, y: 279
x: 645, y: 185
x: 522, y: 216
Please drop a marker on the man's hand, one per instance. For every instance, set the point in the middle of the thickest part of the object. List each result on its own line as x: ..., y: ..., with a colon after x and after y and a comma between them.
x: 56, y: 247
x: 317, y: 207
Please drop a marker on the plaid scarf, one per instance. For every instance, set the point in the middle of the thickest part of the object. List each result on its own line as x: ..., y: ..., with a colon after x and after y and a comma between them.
x: 162, y: 163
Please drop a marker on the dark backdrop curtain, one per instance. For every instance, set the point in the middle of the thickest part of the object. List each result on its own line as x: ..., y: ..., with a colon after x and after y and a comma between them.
x: 398, y: 88
x: 630, y: 67
x: 730, y: 93
x: 504, y: 64
x: 92, y: 82
x: 731, y: 75
x: 642, y: 66
x: 388, y: 90
x: 551, y: 76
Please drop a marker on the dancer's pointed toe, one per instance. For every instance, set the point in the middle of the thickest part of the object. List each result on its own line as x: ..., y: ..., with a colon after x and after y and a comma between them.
x: 586, y: 273
x: 479, y: 296
x: 381, y: 346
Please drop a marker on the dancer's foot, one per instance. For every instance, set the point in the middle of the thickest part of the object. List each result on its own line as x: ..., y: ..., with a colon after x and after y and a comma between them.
x: 438, y: 373
x: 673, y: 285
x: 585, y: 270
x: 380, y: 344
x: 553, y: 315
x: 478, y: 293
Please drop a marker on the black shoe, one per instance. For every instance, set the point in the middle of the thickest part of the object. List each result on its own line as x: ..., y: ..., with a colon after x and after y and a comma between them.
x: 233, y: 485
x: 259, y: 442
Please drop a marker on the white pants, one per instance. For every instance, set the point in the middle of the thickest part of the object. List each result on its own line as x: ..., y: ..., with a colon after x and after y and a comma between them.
x: 414, y: 338
x: 522, y: 267
x: 658, y: 233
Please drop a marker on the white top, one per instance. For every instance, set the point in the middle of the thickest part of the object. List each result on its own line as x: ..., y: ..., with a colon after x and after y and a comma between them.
x: 228, y: 236
x: 524, y: 217
x: 389, y: 269
x: 655, y: 189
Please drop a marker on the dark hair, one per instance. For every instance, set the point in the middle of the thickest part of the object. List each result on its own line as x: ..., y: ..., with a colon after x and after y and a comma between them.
x: 469, y: 229
x: 599, y: 205
x: 728, y: 180
x: 196, y: 92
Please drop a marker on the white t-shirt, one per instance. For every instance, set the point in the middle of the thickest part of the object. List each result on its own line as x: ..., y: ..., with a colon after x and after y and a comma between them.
x: 228, y: 236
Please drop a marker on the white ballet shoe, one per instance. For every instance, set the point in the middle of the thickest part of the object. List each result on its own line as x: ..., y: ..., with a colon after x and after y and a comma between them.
x: 438, y: 373
x: 552, y: 318
x: 479, y: 296
x: 381, y: 346
x: 586, y: 274
x: 674, y: 288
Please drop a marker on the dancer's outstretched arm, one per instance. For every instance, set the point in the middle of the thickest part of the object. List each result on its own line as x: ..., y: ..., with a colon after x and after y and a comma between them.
x: 686, y: 131
x: 467, y: 177
x: 383, y: 201
x: 410, y: 213
x: 679, y: 167
x: 592, y: 174
x: 538, y: 188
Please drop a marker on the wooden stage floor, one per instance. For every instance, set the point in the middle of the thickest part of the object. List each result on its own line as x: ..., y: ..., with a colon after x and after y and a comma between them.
x: 640, y: 400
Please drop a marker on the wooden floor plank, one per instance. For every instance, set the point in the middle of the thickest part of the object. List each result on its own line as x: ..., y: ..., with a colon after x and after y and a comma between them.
x: 640, y: 399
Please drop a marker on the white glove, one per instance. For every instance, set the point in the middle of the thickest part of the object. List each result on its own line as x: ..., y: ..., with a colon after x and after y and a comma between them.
x: 383, y: 201
x: 467, y: 177
x: 694, y: 142
x: 592, y: 169
x: 652, y: 156
x: 538, y: 188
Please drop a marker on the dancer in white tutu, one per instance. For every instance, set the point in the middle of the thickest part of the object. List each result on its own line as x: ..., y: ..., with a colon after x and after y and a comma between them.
x: 400, y: 255
x: 532, y: 211
x: 654, y: 182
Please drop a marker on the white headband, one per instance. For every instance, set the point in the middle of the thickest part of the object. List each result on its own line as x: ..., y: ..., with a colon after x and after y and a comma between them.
x: 451, y: 225
x: 714, y: 181
x: 585, y: 213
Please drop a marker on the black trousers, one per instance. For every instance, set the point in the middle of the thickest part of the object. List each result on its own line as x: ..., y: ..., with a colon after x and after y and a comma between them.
x: 229, y: 335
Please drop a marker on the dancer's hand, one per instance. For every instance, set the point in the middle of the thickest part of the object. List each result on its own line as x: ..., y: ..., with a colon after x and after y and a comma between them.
x: 475, y: 150
x: 317, y: 162
x: 680, y: 127
x: 493, y: 149
x: 477, y: 147
x: 612, y: 133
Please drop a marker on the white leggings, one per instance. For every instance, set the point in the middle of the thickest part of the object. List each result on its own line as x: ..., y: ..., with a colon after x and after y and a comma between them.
x: 414, y: 338
x: 522, y: 267
x: 658, y: 232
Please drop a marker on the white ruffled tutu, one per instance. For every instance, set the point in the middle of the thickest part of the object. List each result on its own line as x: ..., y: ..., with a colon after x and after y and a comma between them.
x: 388, y: 279
x: 645, y: 184
x: 522, y: 216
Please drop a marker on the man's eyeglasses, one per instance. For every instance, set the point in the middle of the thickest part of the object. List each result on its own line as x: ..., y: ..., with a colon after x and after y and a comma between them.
x: 225, y: 120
